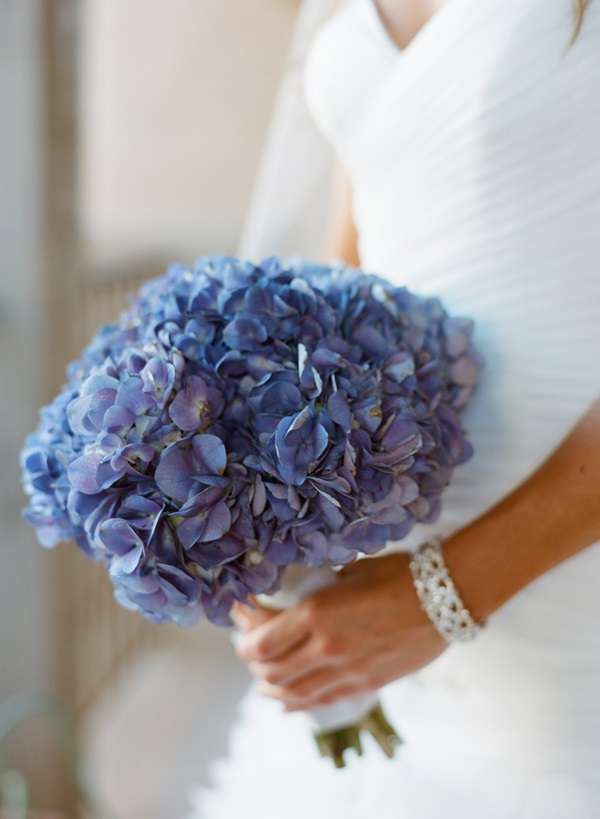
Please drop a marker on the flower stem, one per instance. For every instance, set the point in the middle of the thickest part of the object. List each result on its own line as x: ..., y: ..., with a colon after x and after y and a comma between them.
x: 334, y: 744
x: 377, y: 724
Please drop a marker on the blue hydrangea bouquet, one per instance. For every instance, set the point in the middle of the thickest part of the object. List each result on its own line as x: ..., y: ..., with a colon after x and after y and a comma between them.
x: 245, y: 429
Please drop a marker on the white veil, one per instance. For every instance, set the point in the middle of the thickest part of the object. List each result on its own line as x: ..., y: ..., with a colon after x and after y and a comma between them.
x: 292, y: 197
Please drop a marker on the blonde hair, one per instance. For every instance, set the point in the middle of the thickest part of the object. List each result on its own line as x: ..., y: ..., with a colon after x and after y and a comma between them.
x: 580, y: 7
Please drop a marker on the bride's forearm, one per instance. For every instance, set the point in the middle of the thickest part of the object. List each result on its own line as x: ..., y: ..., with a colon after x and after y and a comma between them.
x: 550, y: 517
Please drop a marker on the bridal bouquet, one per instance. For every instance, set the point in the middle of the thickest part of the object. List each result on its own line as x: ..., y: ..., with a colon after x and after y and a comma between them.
x: 243, y: 430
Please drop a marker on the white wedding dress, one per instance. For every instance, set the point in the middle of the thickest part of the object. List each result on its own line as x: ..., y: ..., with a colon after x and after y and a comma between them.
x: 475, y: 160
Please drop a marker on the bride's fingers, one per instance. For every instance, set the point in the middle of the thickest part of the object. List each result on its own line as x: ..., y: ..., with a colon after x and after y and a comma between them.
x: 247, y: 618
x: 310, y: 687
x: 361, y: 682
x: 302, y: 659
x: 280, y: 634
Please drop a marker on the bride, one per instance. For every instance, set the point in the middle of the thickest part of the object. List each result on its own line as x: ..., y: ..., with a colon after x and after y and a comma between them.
x: 468, y: 137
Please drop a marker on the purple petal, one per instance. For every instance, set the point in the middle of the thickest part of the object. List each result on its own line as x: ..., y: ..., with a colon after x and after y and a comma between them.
x: 208, y: 525
x: 202, y: 500
x: 83, y: 472
x: 141, y: 584
x: 138, y: 452
x: 173, y: 474
x: 100, y: 403
x: 77, y: 412
x: 127, y: 563
x: 218, y: 522
x: 244, y: 333
x: 259, y: 500
x: 278, y: 490
x: 117, y: 418
x: 189, y: 531
x: 400, y: 366
x: 190, y: 407
x: 282, y: 553
x: 118, y: 536
x: 340, y: 411
x: 368, y: 413
x: 260, y: 577
x: 400, y: 432
x: 370, y: 339
x: 158, y: 377
x: 99, y: 382
x: 210, y: 453
x: 131, y: 395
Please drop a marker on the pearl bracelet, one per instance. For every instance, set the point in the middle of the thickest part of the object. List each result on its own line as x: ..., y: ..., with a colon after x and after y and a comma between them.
x: 438, y: 594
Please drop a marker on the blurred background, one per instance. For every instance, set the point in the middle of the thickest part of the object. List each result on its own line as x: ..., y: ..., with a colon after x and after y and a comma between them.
x: 131, y: 136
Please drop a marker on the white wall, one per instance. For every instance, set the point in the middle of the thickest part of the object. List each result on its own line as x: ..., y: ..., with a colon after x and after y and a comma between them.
x: 175, y: 100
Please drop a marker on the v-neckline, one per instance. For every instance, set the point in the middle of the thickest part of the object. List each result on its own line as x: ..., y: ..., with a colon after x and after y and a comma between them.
x: 384, y: 34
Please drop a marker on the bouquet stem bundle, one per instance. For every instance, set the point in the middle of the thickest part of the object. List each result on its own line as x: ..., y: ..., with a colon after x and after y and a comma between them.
x: 335, y: 743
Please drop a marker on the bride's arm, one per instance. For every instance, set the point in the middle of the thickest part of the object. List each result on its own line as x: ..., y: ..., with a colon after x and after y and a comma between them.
x: 549, y: 518
x: 369, y: 629
x: 343, y: 237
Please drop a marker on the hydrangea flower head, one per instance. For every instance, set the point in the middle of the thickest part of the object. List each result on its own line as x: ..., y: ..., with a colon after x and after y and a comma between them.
x: 242, y: 417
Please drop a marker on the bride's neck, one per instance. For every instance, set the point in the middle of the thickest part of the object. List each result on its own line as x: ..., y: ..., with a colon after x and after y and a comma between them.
x: 404, y: 19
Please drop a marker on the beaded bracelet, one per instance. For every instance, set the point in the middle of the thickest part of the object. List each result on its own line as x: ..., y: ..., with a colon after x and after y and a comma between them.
x: 439, y: 596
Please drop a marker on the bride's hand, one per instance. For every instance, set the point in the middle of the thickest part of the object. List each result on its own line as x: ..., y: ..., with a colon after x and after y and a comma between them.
x: 355, y: 636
